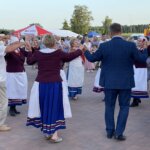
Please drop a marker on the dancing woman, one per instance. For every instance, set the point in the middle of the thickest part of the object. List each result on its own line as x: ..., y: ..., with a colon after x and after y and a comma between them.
x: 47, y: 92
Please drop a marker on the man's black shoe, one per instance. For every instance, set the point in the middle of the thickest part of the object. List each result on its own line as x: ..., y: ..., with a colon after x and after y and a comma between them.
x: 109, y: 136
x: 120, y: 137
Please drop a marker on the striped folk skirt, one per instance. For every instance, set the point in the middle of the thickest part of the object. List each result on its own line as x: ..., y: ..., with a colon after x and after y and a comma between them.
x: 16, y: 84
x: 50, y: 115
x: 140, y: 90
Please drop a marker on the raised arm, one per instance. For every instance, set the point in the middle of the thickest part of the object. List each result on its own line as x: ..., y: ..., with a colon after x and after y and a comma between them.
x: 13, y: 47
x: 31, y: 58
x: 24, y: 51
x: 138, y: 55
x: 97, y: 56
x: 66, y: 57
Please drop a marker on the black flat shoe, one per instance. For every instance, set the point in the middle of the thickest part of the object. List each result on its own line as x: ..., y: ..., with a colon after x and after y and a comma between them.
x: 12, y: 112
x: 120, y: 137
x: 16, y: 112
x: 134, y: 104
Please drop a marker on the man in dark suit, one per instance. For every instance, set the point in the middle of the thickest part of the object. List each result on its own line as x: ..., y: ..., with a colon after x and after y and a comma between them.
x: 117, y: 77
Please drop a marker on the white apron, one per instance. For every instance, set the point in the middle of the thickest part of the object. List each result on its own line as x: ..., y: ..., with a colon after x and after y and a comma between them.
x: 76, y: 73
x: 140, y: 77
x: 97, y: 79
x: 16, y: 85
x: 34, y: 107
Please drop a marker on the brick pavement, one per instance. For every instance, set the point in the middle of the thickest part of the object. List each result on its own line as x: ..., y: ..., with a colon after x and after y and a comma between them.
x: 85, y: 131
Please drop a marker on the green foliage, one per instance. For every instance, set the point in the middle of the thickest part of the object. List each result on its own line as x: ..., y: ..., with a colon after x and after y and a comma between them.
x: 106, y: 23
x: 134, y: 28
x: 80, y: 21
x: 125, y: 29
x: 65, y: 25
x: 5, y: 31
x: 97, y: 29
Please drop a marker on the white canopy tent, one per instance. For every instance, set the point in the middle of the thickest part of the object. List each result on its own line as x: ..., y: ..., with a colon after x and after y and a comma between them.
x: 63, y: 33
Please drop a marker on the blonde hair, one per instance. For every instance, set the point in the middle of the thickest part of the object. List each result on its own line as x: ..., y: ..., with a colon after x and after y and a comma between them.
x: 49, y: 41
x: 72, y: 42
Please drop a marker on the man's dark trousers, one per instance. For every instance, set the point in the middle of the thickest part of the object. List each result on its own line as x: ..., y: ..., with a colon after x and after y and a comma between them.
x: 124, y: 102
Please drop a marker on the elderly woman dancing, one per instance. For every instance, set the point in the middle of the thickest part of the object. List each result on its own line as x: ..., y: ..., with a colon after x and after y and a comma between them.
x: 46, y: 109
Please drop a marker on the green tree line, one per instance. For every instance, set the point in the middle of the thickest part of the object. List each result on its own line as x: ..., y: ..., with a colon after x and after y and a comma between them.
x: 125, y: 28
x: 5, y: 31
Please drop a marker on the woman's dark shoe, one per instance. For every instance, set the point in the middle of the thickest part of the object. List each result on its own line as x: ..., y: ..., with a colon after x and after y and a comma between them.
x: 135, y: 103
x: 12, y: 111
x: 103, y: 100
x: 17, y: 112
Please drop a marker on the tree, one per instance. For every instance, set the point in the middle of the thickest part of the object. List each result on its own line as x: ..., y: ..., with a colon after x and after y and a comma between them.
x: 106, y: 23
x: 36, y: 24
x: 80, y: 21
x: 5, y: 31
x: 65, y: 25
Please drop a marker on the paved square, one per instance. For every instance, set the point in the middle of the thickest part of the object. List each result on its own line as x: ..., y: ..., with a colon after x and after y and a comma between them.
x: 85, y: 131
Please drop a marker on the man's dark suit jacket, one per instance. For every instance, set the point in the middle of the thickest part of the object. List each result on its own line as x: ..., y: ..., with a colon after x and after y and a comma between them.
x: 117, y: 57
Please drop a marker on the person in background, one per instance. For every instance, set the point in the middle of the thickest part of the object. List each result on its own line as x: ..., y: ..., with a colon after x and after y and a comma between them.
x: 58, y: 43
x: 95, y: 42
x: 66, y: 46
x: 35, y: 45
x: 148, y: 66
x: 140, y: 77
x: 89, y: 66
x: 75, y: 72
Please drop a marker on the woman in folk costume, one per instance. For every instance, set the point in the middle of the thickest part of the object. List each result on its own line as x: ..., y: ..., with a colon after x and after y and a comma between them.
x: 140, y: 77
x: 46, y: 105
x: 75, y: 72
x: 97, y: 88
x: 35, y: 45
x: 88, y: 65
x: 148, y: 66
x: 16, y: 82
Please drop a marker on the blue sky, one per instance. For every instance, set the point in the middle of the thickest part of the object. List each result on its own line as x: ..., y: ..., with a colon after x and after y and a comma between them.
x: 16, y: 14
